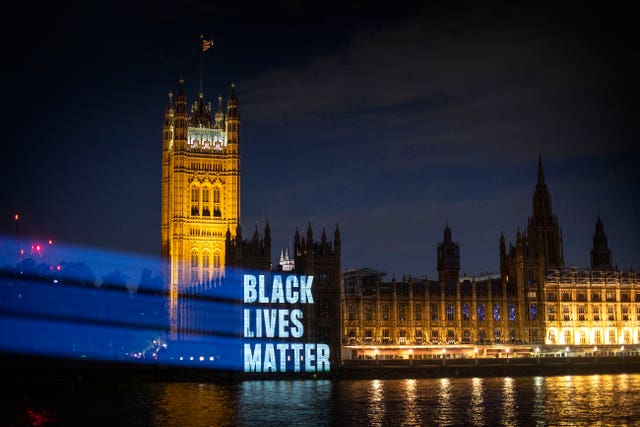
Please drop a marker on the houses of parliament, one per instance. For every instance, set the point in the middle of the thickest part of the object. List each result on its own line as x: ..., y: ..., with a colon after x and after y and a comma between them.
x: 534, y: 304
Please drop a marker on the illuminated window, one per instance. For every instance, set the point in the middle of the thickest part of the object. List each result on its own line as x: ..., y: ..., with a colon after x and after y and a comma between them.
x: 195, y: 200
x: 597, y: 339
x: 205, y: 266
x: 205, y: 201
x: 497, y: 338
x: 466, y: 336
x: 582, y: 296
x: 216, y: 202
x: 625, y: 297
x: 581, y: 312
x: 567, y: 336
x: 434, y: 312
x: 451, y: 336
x: 637, y: 312
x: 368, y: 312
x: 417, y: 311
x: 596, y: 314
x: 566, y: 296
x: 551, y: 337
x: 482, y: 336
x: 418, y: 336
x: 465, y: 312
x: 435, y: 339
x: 512, y: 312
x: 216, y: 259
x: 611, y: 313
x: 368, y: 335
x: 625, y: 312
x: 481, y: 314
x: 583, y: 337
x: 627, y: 337
x: 512, y: 335
x: 450, y: 312
x: 385, y: 311
x: 496, y: 312
x: 551, y: 296
x: 611, y: 296
x: 385, y: 336
x: 402, y: 315
x: 612, y: 336
x: 351, y: 309
x: 194, y: 265
x: 596, y: 296
x: 402, y: 336
x: 533, y: 312
x: 566, y: 313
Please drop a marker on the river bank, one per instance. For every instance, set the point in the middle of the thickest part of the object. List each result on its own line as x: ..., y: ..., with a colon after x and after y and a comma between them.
x: 30, y: 370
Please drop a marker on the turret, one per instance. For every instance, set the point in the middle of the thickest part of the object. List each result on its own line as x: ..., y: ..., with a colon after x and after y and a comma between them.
x: 233, y: 119
x: 601, y: 253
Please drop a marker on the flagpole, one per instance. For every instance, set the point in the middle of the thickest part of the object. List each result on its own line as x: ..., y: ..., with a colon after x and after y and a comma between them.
x: 201, y: 61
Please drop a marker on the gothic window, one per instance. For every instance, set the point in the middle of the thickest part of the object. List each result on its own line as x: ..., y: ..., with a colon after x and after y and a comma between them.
x: 512, y: 311
x: 195, y: 201
x: 402, y: 315
x: 205, y: 266
x: 385, y: 336
x: 566, y: 313
x: 497, y: 336
x: 496, y: 312
x: 612, y: 336
x: 596, y: 314
x: 611, y: 313
x: 533, y: 312
x: 481, y: 314
x: 368, y: 312
x: 596, y: 296
x: 402, y: 336
x: 368, y: 335
x: 434, y: 312
x: 567, y: 336
x: 625, y: 313
x: 385, y: 311
x: 625, y: 297
x: 417, y: 311
x: 465, y: 312
x: 450, y: 311
x: 194, y: 265
x: 351, y: 309
x: 418, y: 336
x: 551, y: 313
x: 551, y: 296
x: 216, y: 202
x: 566, y: 296
x: 216, y: 259
x: 583, y: 337
x: 582, y: 296
x: 205, y: 201
x: 435, y: 339
x: 581, y: 312
x: 611, y: 296
x: 597, y: 339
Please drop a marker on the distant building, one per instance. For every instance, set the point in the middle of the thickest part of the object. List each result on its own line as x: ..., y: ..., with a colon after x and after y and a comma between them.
x: 533, y: 302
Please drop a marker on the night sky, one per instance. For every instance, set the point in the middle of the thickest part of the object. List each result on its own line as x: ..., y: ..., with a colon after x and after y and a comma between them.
x: 391, y: 119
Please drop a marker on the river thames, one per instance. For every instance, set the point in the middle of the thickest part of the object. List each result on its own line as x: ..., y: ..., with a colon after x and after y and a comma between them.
x: 511, y: 401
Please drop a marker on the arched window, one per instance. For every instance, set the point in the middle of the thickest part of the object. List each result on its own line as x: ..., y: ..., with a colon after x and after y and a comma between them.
x: 216, y: 259
x: 205, y: 201
x: 194, y: 265
x: 216, y: 202
x: 205, y: 266
x: 195, y: 199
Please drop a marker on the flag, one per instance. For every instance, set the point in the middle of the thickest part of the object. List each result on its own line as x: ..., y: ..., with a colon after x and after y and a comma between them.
x: 206, y: 44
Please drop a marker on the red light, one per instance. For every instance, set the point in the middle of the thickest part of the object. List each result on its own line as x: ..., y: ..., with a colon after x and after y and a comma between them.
x: 50, y: 242
x: 21, y: 251
x: 16, y: 217
x: 58, y: 268
x: 38, y: 248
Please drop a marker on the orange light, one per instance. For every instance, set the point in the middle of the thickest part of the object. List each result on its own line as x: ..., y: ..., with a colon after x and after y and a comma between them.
x: 16, y: 217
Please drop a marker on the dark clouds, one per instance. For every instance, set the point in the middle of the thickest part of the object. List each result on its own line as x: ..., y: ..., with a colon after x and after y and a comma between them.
x: 390, y: 121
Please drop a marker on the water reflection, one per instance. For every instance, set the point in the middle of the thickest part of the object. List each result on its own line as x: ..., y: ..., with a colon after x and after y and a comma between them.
x: 411, y: 415
x: 376, y: 403
x: 609, y: 400
x: 509, y: 414
x: 476, y: 407
x: 182, y: 404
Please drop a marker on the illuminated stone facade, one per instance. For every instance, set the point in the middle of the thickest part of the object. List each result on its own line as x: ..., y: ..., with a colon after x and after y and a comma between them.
x: 533, y: 302
x: 200, y: 191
